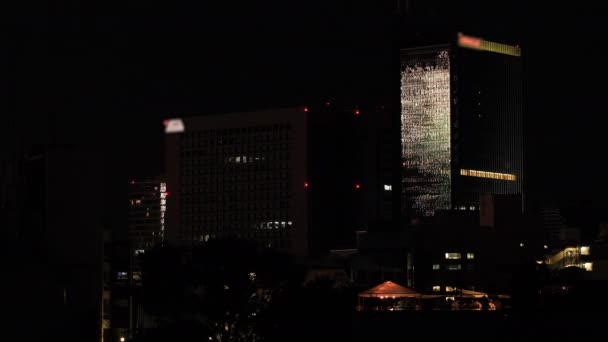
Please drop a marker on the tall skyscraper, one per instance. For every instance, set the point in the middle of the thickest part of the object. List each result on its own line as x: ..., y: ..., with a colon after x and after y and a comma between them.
x: 461, y: 124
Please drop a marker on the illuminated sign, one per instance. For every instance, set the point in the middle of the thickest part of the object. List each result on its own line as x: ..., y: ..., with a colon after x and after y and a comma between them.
x: 484, y: 45
x: 163, y: 206
x: 466, y: 41
x: 174, y: 126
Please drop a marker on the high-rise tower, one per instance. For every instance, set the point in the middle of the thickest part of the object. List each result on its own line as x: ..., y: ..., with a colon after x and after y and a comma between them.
x: 461, y: 124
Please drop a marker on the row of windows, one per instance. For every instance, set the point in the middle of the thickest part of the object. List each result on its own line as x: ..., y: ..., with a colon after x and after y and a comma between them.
x: 240, y: 130
x: 455, y: 256
x: 488, y: 174
x: 281, y: 147
x: 452, y: 267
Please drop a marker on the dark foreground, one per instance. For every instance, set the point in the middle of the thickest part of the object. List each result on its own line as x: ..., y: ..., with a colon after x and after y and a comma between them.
x: 428, y: 326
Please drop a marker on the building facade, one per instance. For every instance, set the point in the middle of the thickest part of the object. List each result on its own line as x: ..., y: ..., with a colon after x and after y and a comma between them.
x: 461, y: 124
x: 302, y: 180
x: 239, y: 175
x: 147, y: 208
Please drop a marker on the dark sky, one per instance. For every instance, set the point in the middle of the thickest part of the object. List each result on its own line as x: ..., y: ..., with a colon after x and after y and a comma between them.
x: 113, y: 69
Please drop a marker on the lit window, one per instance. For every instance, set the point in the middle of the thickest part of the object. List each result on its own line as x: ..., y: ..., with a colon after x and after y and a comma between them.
x: 452, y: 256
x: 470, y: 255
x: 450, y: 289
x: 139, y: 251
x: 454, y: 267
x: 488, y: 174
x: 588, y: 266
x: 436, y: 288
x: 585, y: 250
x: 388, y: 187
x: 137, y: 201
x: 122, y: 276
x: 436, y: 266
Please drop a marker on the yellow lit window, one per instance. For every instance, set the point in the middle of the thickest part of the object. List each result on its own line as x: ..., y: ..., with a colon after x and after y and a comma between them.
x: 488, y: 174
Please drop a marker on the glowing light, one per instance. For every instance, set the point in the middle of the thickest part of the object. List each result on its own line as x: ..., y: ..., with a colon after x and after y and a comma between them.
x: 357, y: 186
x: 357, y: 112
x: 467, y: 41
x: 306, y: 184
x: 452, y: 256
x: 165, y: 122
x: 305, y: 109
x: 521, y: 244
x: 174, y: 126
x: 485, y: 45
x: 488, y: 174
x: 388, y: 187
x: 163, y: 207
x: 122, y: 339
x: 132, y: 182
x: 425, y: 131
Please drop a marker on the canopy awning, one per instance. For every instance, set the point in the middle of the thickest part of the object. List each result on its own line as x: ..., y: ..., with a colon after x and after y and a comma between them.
x: 388, y: 289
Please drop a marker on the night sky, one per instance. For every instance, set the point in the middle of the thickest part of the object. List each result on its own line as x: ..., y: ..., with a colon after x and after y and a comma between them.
x: 112, y: 70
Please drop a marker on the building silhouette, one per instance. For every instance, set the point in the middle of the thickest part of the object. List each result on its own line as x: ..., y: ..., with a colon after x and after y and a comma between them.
x: 461, y: 124
x: 239, y: 175
x: 147, y: 207
x: 301, y: 180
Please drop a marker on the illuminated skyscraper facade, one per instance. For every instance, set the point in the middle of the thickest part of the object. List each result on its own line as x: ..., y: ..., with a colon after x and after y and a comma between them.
x: 461, y: 124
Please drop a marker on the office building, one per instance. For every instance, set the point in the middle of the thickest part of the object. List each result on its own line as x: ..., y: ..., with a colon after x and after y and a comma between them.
x: 461, y: 124
x: 147, y: 207
x: 301, y: 180
x: 239, y: 175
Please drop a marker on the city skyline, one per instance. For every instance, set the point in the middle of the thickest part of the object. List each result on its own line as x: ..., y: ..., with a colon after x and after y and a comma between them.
x: 136, y: 76
x: 212, y: 170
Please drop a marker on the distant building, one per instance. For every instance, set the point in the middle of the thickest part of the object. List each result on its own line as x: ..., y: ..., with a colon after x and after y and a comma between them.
x: 241, y: 175
x: 51, y: 214
x: 557, y: 232
x: 461, y: 124
x: 147, y: 208
x: 301, y: 180
x: 571, y: 256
